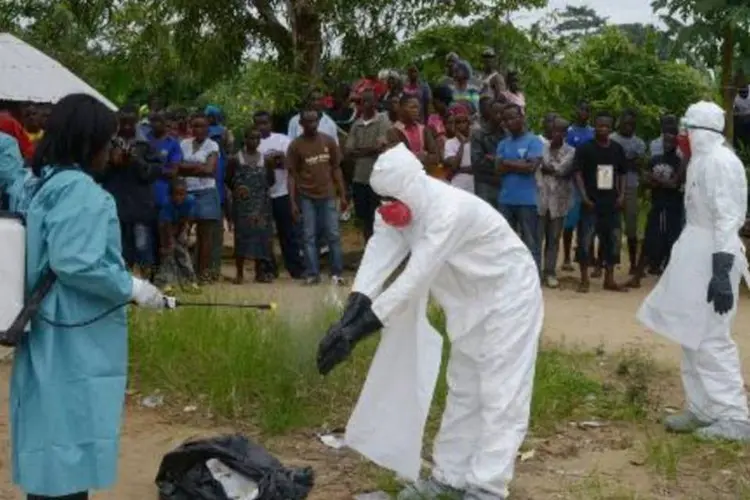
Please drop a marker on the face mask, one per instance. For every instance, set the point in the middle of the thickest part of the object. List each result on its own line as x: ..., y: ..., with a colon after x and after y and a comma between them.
x: 395, y: 213
x: 683, y: 144
x: 683, y: 138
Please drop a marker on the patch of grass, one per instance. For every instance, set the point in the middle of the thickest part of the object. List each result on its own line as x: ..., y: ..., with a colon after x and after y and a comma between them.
x: 572, y: 384
x: 260, y: 367
x: 562, y: 389
x: 256, y: 366
x: 597, y: 487
x: 387, y: 482
x: 666, y: 453
x: 699, y: 469
x: 629, y: 379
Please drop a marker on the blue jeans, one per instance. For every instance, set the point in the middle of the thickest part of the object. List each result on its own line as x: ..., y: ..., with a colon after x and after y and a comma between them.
x: 207, y: 204
x: 144, y: 246
x: 321, y: 215
x: 137, y: 244
x: 525, y: 221
x: 288, y: 233
x: 574, y: 214
x: 487, y: 192
x: 550, y: 230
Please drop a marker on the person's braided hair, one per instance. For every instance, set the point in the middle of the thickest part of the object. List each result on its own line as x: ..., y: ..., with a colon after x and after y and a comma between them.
x: 79, y: 127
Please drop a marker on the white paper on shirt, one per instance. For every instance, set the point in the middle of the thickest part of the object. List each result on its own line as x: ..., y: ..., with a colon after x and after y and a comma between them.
x: 605, y: 177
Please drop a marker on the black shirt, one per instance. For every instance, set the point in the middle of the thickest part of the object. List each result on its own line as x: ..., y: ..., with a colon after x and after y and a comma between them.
x: 605, y: 164
x: 666, y: 166
x: 132, y: 184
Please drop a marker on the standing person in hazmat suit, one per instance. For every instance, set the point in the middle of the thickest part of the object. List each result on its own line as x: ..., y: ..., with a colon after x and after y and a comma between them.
x: 466, y: 255
x: 68, y: 383
x: 694, y: 302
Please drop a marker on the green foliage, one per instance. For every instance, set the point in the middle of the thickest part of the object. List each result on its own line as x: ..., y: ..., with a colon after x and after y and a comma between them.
x: 430, y: 46
x: 577, y: 21
x: 699, y: 27
x: 701, y: 35
x: 607, y: 69
x: 612, y: 73
x: 718, y: 33
x: 369, y: 30
x: 183, y: 49
x: 259, y: 85
x: 179, y: 48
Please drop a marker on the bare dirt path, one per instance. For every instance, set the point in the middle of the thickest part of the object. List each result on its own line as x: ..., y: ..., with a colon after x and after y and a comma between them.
x: 589, y: 321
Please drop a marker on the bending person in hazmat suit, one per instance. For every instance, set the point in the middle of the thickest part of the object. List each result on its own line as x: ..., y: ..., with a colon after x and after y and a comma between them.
x: 694, y: 302
x: 465, y: 254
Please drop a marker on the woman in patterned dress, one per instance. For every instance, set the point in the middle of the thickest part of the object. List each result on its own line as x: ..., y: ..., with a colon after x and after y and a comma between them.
x: 249, y: 179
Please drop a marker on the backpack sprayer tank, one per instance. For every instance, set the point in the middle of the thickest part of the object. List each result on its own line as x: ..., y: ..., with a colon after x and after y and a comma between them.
x: 16, y: 307
x: 12, y: 270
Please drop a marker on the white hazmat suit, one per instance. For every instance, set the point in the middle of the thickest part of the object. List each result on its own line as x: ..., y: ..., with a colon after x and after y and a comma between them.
x: 677, y: 308
x: 466, y: 255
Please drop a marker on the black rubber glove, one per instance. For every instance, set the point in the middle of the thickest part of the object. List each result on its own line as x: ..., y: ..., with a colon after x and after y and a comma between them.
x: 357, y: 322
x: 720, y: 286
x: 354, y: 304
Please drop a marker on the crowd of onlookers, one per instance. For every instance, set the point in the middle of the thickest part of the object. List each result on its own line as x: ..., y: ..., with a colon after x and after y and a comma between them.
x: 178, y: 176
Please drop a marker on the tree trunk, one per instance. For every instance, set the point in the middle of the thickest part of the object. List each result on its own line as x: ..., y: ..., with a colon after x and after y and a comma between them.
x: 727, y: 79
x: 307, y: 37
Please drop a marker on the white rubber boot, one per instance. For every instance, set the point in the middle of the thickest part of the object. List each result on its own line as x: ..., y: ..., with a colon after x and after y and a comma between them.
x: 726, y: 430
x: 429, y: 489
x: 684, y: 422
x: 475, y: 494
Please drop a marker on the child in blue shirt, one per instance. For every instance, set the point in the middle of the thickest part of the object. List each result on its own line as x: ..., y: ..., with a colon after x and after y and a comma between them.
x: 174, y: 223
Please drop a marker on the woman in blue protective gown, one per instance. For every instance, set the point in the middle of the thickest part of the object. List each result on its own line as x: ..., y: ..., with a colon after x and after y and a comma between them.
x: 68, y: 384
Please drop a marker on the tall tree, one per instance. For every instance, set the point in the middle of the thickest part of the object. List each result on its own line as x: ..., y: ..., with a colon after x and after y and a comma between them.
x: 299, y: 32
x: 579, y: 21
x: 717, y: 31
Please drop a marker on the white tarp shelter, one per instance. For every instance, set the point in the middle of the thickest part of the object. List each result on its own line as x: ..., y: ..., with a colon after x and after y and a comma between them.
x: 27, y: 74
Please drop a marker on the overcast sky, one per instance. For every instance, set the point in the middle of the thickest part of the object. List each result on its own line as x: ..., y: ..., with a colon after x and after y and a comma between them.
x: 618, y: 12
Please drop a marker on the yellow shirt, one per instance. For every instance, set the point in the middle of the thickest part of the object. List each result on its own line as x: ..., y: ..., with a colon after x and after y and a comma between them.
x: 35, y: 137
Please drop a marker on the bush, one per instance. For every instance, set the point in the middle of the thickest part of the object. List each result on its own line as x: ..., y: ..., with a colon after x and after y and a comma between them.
x: 260, y: 367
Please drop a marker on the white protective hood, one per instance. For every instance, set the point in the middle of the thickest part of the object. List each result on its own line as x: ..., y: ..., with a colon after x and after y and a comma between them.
x: 399, y: 174
x: 709, y: 117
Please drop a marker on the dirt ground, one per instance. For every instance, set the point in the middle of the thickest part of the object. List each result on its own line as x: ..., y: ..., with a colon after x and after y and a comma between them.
x: 598, y: 319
